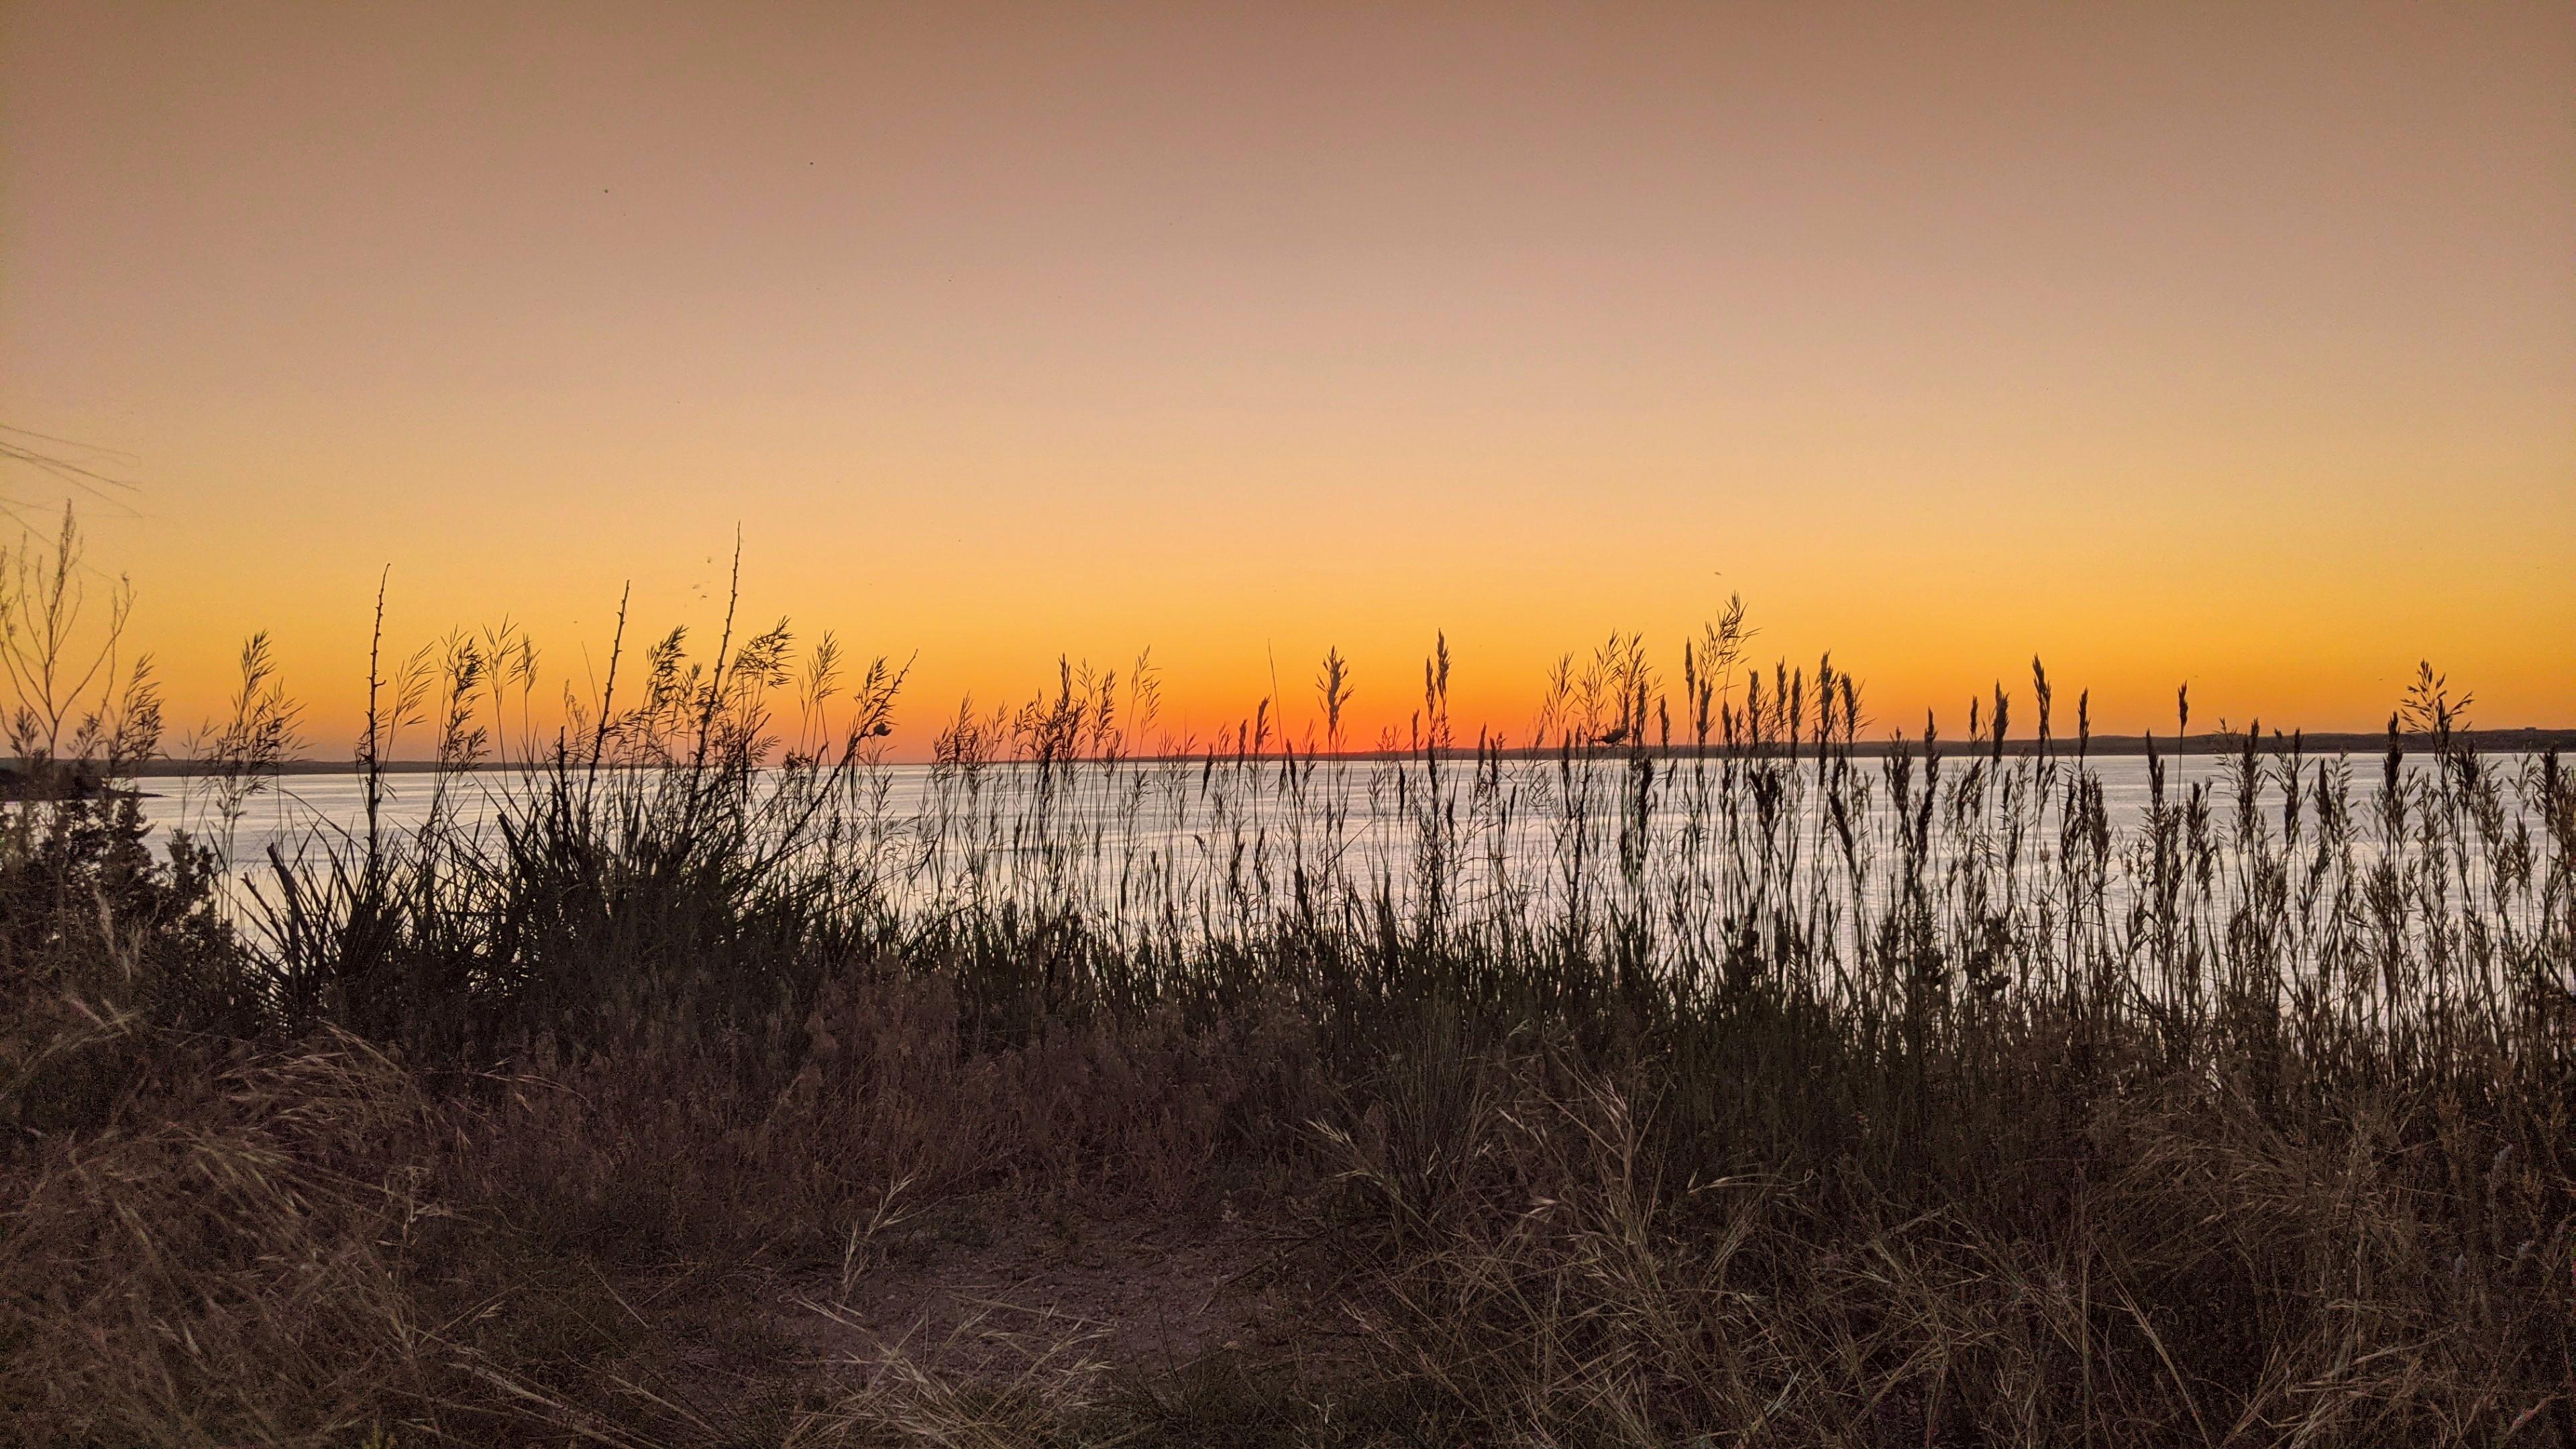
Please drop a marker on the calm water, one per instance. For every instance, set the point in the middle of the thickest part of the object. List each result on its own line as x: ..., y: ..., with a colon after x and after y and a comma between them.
x: 1167, y: 805
x: 1157, y: 847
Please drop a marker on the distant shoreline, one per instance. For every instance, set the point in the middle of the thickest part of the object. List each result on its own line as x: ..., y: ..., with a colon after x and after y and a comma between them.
x: 2494, y: 741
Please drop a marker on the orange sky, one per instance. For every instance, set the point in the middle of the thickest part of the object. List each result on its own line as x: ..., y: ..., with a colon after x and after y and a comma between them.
x: 2215, y: 343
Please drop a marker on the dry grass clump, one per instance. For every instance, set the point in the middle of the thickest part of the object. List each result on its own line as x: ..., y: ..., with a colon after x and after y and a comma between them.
x: 882, y: 1102
x: 2208, y: 1280
x: 230, y: 1258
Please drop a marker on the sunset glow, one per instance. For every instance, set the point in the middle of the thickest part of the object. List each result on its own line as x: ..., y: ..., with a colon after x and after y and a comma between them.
x: 2173, y: 343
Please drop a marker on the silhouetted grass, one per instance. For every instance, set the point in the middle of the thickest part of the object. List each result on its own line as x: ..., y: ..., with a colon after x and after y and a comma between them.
x: 1709, y: 1078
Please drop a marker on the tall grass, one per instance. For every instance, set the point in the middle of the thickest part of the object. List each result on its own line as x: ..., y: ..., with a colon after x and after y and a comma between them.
x: 1707, y: 1061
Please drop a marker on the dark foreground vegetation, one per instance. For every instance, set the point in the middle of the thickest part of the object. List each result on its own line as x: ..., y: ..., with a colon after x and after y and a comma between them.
x: 1782, y: 1096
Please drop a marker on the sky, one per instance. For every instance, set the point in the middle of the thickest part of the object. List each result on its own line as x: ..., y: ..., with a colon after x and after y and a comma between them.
x: 2212, y: 344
